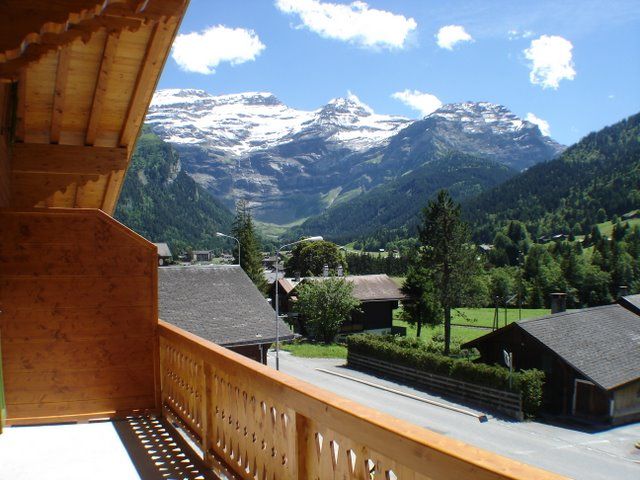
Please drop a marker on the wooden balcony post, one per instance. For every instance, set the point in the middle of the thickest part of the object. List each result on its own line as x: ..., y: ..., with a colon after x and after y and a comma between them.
x: 207, y: 423
x: 303, y: 446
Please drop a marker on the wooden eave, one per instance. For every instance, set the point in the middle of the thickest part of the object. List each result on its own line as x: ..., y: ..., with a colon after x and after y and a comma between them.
x: 80, y: 75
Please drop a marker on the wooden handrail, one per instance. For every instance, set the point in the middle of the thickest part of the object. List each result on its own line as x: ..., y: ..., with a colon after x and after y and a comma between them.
x: 266, y: 424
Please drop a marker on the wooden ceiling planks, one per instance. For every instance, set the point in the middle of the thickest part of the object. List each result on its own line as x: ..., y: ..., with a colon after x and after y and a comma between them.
x: 87, y: 83
x: 100, y: 91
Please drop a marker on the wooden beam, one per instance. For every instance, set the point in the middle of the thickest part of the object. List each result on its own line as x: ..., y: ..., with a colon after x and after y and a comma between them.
x: 157, y: 51
x: 108, y: 55
x: 59, y: 93
x: 112, y: 191
x: 67, y: 159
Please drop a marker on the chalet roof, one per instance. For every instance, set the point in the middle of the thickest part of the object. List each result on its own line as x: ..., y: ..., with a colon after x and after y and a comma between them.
x: 370, y: 288
x: 602, y: 343
x: 217, y: 303
x: 631, y: 302
x: 201, y: 252
x: 163, y: 250
x: 366, y: 288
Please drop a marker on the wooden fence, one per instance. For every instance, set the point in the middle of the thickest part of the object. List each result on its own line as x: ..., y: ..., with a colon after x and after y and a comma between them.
x: 267, y: 425
x: 509, y: 403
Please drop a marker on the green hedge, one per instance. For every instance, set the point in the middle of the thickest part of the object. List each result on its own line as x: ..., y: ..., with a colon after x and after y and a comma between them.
x: 414, y: 354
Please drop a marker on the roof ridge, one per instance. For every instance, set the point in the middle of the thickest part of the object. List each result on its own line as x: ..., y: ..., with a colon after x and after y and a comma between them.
x: 566, y: 312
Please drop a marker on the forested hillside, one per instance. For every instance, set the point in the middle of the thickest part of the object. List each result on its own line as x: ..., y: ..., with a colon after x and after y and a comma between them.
x: 595, y: 179
x: 391, y: 211
x: 163, y: 204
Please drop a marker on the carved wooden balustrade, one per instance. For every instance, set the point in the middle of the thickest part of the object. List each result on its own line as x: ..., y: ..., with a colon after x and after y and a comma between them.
x: 267, y: 425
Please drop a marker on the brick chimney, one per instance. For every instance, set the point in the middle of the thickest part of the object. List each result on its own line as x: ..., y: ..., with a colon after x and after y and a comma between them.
x: 558, y: 302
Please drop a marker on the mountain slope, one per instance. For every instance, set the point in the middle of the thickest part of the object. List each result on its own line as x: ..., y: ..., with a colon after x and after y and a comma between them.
x: 290, y: 164
x: 600, y: 171
x: 393, y: 210
x: 162, y: 203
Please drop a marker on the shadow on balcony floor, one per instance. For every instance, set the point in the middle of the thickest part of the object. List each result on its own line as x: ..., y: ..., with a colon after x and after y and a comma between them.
x: 158, y: 452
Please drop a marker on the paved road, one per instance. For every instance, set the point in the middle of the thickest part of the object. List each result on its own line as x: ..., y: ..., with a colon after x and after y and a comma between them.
x: 604, y: 455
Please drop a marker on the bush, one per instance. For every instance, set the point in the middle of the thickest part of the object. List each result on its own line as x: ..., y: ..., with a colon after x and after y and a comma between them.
x: 417, y: 354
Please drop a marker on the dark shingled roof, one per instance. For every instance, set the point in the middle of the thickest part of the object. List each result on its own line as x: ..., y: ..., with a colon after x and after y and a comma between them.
x: 603, y: 343
x: 370, y: 288
x: 217, y: 303
x: 366, y: 288
x: 631, y: 302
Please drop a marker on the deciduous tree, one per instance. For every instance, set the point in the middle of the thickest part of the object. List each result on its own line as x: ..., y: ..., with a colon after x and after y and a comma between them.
x: 324, y: 306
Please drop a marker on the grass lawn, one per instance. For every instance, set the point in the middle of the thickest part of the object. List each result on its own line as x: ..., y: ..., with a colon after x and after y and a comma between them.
x: 316, y: 350
x: 606, y: 228
x: 482, y: 317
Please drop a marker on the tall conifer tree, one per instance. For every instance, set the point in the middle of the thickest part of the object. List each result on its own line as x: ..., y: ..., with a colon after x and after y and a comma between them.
x: 250, y: 256
x: 448, y: 255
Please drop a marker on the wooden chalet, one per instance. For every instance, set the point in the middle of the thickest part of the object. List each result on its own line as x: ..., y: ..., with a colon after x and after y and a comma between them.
x: 79, y: 327
x: 378, y: 294
x: 591, y: 359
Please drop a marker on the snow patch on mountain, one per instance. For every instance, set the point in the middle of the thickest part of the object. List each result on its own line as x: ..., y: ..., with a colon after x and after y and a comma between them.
x: 240, y: 124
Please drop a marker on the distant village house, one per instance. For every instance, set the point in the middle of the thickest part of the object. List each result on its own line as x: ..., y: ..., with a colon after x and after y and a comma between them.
x: 164, y: 254
x: 201, y: 255
x: 379, y: 296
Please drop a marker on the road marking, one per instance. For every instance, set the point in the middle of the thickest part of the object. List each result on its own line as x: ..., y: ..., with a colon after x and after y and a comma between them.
x: 481, y: 417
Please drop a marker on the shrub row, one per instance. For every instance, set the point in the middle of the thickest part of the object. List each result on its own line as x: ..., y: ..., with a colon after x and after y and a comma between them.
x: 412, y: 353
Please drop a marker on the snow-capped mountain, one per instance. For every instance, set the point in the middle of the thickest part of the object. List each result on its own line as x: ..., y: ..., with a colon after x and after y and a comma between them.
x: 243, y: 123
x: 290, y: 164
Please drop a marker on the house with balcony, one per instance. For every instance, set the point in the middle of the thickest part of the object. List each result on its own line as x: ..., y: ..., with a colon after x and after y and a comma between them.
x: 85, y: 355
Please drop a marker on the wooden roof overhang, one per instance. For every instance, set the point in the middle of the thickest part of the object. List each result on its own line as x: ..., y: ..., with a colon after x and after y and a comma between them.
x: 76, y: 79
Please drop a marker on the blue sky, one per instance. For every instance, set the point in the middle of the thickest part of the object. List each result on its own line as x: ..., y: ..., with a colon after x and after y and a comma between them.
x: 572, y: 64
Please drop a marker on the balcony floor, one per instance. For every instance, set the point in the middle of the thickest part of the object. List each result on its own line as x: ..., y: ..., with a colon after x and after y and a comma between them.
x: 133, y: 448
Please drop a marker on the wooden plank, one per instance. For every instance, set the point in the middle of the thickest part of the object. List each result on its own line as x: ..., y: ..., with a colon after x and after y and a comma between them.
x: 148, y: 75
x: 70, y: 259
x: 112, y: 191
x: 76, y: 324
x: 58, y: 355
x: 67, y: 159
x: 99, y: 95
x: 40, y: 86
x: 60, y: 93
x: 80, y: 385
x: 56, y: 412
x: 64, y: 226
x: 21, y: 106
x: 57, y: 190
x: 27, y: 292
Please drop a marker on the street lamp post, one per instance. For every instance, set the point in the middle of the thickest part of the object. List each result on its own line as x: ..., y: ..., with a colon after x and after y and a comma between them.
x: 218, y: 234
x: 309, y: 239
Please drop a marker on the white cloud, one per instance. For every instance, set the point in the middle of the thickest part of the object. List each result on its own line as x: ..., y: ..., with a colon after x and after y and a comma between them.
x: 425, y: 103
x: 516, y: 34
x: 543, y: 125
x: 202, y: 52
x: 551, y: 61
x: 450, y: 35
x: 355, y: 22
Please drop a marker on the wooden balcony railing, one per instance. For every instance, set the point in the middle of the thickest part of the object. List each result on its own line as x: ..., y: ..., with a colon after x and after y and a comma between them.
x: 267, y: 425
